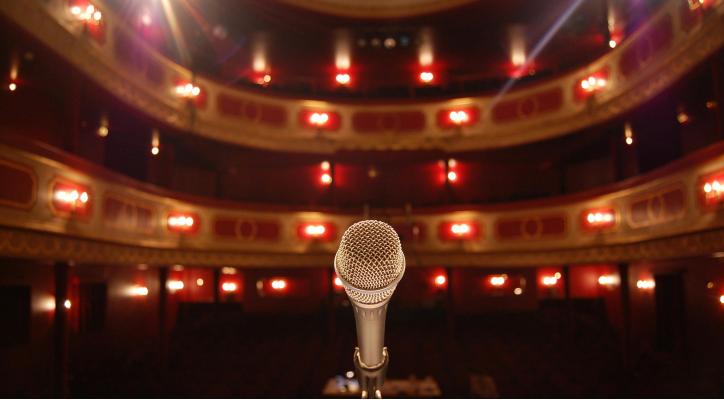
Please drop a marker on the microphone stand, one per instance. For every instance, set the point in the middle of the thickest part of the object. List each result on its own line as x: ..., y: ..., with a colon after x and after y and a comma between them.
x: 371, y: 377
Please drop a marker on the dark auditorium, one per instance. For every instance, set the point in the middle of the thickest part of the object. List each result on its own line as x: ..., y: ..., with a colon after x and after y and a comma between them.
x: 362, y: 199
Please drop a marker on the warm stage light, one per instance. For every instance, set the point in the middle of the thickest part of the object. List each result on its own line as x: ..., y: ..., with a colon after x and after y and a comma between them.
x: 517, y: 291
x: 426, y: 76
x: 326, y: 178
x: 452, y: 176
x: 12, y: 86
x: 199, y: 282
x: 721, y: 299
x: 67, y: 304
x: 440, y: 280
x: 337, y: 282
x: 612, y: 44
x: 343, y: 78
x: 551, y: 280
x: 460, y: 229
x: 229, y: 287
x: 319, y: 119
x: 187, y: 90
x: 498, y: 280
x: 645, y: 284
x: 314, y: 230
x: 278, y: 284
x: 593, y: 83
x: 608, y: 280
x: 325, y: 165
x: 139, y: 291
x: 175, y: 285
x: 459, y: 117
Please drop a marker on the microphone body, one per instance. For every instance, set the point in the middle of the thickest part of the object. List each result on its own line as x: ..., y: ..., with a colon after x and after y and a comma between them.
x: 370, y: 264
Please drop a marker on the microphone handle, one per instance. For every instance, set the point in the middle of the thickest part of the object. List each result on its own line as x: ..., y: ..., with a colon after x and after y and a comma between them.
x: 370, y: 323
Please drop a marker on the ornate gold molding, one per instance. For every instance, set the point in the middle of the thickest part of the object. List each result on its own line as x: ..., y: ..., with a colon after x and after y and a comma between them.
x: 39, y: 245
x: 377, y: 8
x: 688, y: 46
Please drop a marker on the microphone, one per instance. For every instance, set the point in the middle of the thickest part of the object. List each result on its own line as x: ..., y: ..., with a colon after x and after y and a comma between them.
x: 370, y: 264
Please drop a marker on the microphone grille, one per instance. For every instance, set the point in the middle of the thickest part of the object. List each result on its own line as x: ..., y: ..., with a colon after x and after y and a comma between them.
x: 370, y: 261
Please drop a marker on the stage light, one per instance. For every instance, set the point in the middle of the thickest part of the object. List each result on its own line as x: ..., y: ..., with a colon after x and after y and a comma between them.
x: 612, y: 44
x: 12, y: 86
x: 550, y: 280
x: 426, y: 76
x: 596, y: 219
x: 187, y: 90
x: 459, y: 117
x: 628, y: 133
x: 278, y: 284
x: 139, y: 291
x: 498, y: 280
x: 199, y: 282
x: 721, y: 299
x: 608, y: 280
x: 182, y: 222
x: 593, y: 84
x: 338, y: 282
x: 461, y: 229
x: 517, y: 291
x: 314, y: 230
x: 229, y: 287
x: 175, y: 285
x: 319, y: 119
x: 452, y: 176
x: 440, y: 280
x: 343, y: 79
x: 155, y: 142
x: 326, y: 179
x: 645, y: 284
x: 67, y: 304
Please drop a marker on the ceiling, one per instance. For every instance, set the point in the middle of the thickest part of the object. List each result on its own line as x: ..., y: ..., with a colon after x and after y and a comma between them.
x: 468, y: 42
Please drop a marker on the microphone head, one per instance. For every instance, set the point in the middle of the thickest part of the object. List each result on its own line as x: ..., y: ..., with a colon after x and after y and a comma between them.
x: 369, y: 261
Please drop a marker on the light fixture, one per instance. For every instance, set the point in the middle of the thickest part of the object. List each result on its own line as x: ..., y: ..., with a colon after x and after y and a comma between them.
x: 337, y: 282
x: 12, y: 86
x: 314, y: 230
x: 426, y: 76
x: 326, y: 179
x: 599, y: 218
x: 628, y: 133
x: 645, y: 284
x: 318, y: 119
x: 182, y: 222
x: 461, y: 229
x: 175, y: 285
x: 229, y: 287
x: 612, y: 44
x: 103, y: 126
x: 681, y: 115
x: 593, y: 84
x: 343, y: 78
x: 155, y: 142
x: 551, y: 280
x: 67, y: 304
x: 608, y: 280
x: 199, y: 282
x: 459, y: 117
x: 440, y: 280
x: 139, y: 291
x: 187, y: 90
x: 86, y: 13
x: 278, y: 284
x: 498, y: 280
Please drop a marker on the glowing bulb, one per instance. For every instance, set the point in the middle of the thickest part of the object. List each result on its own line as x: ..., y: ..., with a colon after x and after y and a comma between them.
x: 326, y: 178
x: 175, y: 285
x: 154, y: 150
x: 343, y: 78
x: 199, y: 282
x: 325, y: 165
x: 612, y: 43
x: 517, y: 291
x: 267, y: 78
x: 550, y: 280
x: 426, y: 76
x: 84, y: 197
x: 721, y: 299
x: 498, y: 280
x: 458, y: 117
x: 629, y: 141
x: 707, y: 187
x: 460, y: 229
x: 278, y: 284
x: 12, y: 86
x: 337, y: 281
x: 645, y: 284
x: 314, y: 230
x: 229, y: 287
x: 440, y: 280
x: 319, y: 119
x: 139, y: 291
x: 452, y: 176
x: 67, y: 304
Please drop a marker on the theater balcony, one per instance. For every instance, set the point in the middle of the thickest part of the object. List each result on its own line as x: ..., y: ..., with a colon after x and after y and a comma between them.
x: 176, y: 178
